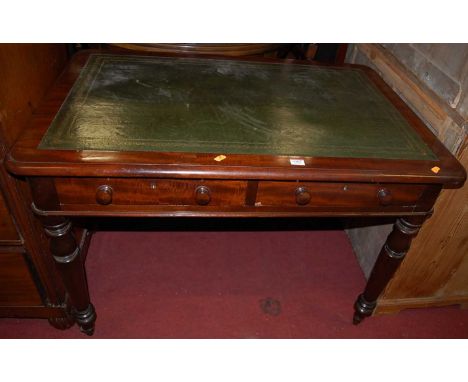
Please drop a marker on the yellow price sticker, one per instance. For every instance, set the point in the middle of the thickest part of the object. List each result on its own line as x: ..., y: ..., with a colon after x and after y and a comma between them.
x: 220, y: 158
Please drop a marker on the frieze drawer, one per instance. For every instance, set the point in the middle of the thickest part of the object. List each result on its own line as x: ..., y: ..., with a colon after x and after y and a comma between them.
x: 112, y: 193
x: 326, y: 195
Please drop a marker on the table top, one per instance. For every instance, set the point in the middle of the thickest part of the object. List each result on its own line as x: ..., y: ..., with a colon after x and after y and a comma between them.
x: 127, y: 115
x: 230, y: 107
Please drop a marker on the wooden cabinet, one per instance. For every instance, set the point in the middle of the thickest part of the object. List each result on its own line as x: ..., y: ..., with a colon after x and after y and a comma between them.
x: 8, y: 232
x: 17, y: 286
x: 29, y: 286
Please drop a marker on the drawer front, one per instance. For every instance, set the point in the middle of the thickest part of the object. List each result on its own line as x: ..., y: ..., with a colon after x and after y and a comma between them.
x: 114, y: 192
x: 338, y: 195
x: 153, y: 196
x: 17, y: 287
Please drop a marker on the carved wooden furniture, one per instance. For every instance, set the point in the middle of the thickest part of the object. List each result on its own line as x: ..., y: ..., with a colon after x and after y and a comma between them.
x: 177, y: 136
x: 29, y: 283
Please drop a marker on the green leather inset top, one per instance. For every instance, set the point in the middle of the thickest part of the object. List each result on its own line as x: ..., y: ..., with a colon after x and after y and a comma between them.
x: 129, y: 103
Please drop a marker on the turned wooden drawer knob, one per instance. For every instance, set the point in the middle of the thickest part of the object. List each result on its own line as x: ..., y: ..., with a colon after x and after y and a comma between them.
x: 385, y: 196
x: 104, y: 195
x: 302, y: 196
x: 202, y: 195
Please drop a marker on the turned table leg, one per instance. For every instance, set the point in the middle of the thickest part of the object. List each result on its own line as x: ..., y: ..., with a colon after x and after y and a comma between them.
x: 65, y: 251
x: 388, y: 261
x: 70, y: 264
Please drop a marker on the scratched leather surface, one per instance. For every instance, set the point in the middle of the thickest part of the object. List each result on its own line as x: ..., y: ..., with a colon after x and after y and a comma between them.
x: 218, y: 106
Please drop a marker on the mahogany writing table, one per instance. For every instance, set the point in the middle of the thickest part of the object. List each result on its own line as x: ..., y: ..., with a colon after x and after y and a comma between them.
x: 152, y: 136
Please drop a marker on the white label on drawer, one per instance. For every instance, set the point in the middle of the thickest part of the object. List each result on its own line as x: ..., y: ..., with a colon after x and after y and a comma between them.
x: 297, y: 162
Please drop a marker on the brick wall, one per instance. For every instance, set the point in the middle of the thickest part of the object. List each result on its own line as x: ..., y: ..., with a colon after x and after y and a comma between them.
x: 441, y: 67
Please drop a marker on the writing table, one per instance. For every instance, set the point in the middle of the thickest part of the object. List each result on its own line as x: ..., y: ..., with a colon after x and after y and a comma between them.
x: 154, y: 136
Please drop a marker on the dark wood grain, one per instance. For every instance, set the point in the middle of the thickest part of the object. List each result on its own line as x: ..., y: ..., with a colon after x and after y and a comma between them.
x: 17, y: 288
x: 29, y: 283
x: 150, y: 192
x: 8, y: 233
x: 116, y: 192
x: 27, y: 73
x: 251, y: 192
x: 363, y: 196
